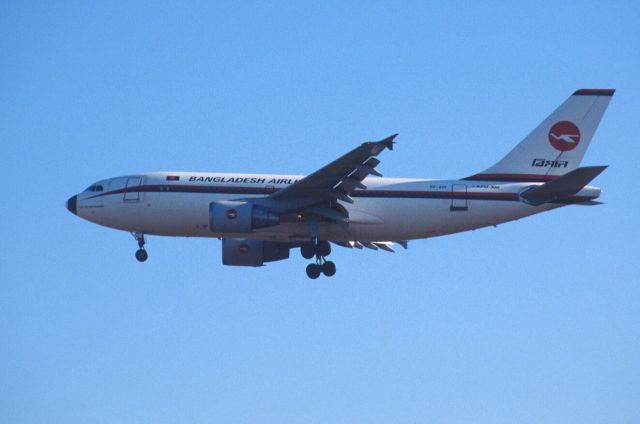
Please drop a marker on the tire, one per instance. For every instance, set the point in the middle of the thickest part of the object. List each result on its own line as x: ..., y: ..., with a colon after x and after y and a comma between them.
x: 323, y: 248
x: 307, y: 250
x: 313, y: 271
x: 329, y: 268
x: 141, y: 255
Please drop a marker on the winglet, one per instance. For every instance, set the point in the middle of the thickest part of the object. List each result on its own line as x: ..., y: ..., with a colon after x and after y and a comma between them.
x: 388, y: 142
x: 375, y: 147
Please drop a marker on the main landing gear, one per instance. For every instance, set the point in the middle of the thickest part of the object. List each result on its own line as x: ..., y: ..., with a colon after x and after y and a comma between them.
x: 141, y: 254
x: 319, y: 249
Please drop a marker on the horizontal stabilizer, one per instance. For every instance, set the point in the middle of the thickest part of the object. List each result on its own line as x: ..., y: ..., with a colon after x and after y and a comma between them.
x: 565, y: 185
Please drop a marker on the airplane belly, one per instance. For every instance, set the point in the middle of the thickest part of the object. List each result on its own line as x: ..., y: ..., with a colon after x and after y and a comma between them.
x: 407, y: 219
x: 401, y: 219
x: 171, y: 214
x: 484, y: 213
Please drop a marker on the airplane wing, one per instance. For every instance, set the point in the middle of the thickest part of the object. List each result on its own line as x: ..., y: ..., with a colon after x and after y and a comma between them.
x: 338, y: 179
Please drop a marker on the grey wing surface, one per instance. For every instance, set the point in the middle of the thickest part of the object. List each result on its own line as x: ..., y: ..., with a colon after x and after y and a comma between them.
x: 338, y: 179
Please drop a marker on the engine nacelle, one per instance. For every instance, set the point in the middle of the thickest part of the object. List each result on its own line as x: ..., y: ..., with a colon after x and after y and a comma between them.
x: 237, y: 216
x: 250, y: 252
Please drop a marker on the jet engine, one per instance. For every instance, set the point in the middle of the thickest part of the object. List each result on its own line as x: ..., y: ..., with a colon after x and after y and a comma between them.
x: 237, y: 216
x: 250, y: 252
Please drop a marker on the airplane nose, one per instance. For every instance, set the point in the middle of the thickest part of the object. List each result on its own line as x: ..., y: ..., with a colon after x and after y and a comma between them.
x: 72, y: 204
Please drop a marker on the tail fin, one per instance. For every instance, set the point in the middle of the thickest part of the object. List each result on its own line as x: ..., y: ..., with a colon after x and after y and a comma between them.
x: 557, y: 145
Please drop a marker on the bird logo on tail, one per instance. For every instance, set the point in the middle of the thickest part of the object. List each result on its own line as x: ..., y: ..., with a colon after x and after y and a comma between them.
x: 564, y: 136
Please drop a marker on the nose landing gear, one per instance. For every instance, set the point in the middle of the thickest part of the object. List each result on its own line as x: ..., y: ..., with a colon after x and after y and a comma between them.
x: 320, y: 249
x: 141, y: 253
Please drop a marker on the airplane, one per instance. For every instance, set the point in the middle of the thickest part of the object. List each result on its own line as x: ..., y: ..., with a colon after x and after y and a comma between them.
x: 348, y: 203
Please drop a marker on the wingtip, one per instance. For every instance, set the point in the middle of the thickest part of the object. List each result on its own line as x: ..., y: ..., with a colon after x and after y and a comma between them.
x: 602, y: 168
x: 598, y: 168
x: 389, y: 141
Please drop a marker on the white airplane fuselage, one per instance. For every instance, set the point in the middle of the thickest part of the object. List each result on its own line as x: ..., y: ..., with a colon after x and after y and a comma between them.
x: 260, y: 218
x: 177, y: 204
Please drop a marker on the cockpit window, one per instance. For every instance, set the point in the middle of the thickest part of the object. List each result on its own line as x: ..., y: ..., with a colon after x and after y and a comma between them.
x: 95, y: 187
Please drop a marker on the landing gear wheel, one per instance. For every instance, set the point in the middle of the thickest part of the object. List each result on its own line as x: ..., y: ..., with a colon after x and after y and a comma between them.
x: 308, y: 250
x: 141, y: 255
x: 328, y: 268
x: 313, y: 271
x: 323, y: 248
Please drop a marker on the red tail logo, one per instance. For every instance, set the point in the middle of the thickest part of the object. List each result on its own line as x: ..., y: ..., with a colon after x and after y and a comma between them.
x: 564, y: 136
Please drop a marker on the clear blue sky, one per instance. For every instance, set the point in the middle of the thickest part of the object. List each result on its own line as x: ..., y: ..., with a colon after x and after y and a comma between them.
x: 533, y: 321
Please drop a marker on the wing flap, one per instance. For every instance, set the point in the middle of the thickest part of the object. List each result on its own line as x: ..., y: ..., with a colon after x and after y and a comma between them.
x: 349, y: 184
x: 373, y: 245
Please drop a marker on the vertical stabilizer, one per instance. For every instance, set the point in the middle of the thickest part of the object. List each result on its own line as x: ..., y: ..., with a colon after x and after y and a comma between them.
x: 557, y: 145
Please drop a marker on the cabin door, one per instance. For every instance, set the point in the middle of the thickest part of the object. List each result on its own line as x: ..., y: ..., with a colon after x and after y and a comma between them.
x: 459, y: 198
x: 131, y: 194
